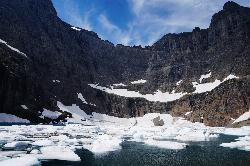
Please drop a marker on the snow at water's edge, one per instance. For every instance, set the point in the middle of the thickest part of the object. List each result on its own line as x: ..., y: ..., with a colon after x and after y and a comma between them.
x: 8, y: 118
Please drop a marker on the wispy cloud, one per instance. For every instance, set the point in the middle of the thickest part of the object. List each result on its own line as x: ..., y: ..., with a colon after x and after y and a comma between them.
x: 77, y: 19
x: 116, y: 34
x: 150, y: 19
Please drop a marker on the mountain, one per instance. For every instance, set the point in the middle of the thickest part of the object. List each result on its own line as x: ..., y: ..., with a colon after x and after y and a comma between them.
x: 46, y: 64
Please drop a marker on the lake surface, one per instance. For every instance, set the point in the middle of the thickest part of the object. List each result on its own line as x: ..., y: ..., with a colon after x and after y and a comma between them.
x: 138, y: 154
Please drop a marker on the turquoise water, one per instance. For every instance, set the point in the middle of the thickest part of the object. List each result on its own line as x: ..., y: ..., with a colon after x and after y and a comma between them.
x: 138, y: 154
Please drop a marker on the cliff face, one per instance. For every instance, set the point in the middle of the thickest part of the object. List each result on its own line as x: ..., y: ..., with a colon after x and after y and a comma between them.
x: 61, y: 62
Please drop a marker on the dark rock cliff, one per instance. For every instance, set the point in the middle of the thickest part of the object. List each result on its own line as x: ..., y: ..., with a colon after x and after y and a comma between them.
x: 55, y: 51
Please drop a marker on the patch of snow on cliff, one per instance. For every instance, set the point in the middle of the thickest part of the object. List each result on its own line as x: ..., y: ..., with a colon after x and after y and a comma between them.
x: 206, y: 87
x: 24, y: 107
x: 157, y: 96
x: 50, y: 114
x: 56, y: 81
x: 120, y: 84
x: 79, y: 95
x: 12, y: 48
x: 178, y: 83
x: 78, y: 115
x: 77, y: 29
x: 243, y: 117
x: 204, y: 76
x: 8, y: 118
x: 141, y: 81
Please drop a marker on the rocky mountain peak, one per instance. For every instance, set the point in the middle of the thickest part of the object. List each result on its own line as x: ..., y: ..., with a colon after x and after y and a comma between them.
x: 230, y: 5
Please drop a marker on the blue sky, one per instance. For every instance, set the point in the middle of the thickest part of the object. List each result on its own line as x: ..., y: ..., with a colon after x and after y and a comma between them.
x: 138, y: 22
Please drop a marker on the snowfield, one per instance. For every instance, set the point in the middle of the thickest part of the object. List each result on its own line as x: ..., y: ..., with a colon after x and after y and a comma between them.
x: 29, y: 144
x: 160, y: 96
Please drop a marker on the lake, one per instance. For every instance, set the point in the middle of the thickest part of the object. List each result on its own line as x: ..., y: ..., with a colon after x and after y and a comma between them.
x: 207, y: 153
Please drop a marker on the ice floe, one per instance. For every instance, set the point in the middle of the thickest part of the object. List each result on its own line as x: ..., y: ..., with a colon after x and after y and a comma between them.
x: 106, y: 134
x: 242, y: 143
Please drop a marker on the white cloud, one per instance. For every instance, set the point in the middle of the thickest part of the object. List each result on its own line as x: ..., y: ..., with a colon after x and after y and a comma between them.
x: 115, y: 32
x: 151, y: 19
x: 154, y: 18
x: 73, y: 12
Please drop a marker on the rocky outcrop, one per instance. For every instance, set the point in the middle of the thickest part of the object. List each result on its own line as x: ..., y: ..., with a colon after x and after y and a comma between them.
x: 61, y: 62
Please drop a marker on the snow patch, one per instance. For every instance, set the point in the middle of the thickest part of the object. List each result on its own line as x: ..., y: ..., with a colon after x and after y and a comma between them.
x: 178, y: 83
x: 243, y: 117
x: 24, y: 107
x: 56, y: 81
x: 206, y: 87
x: 157, y: 96
x: 12, y: 48
x: 141, y: 81
x: 8, y: 118
x: 79, y: 95
x: 205, y: 76
x: 50, y: 114
x: 77, y: 29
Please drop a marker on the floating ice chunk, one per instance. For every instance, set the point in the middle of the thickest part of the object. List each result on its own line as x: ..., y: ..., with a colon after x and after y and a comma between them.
x: 178, y: 83
x: 12, y: 48
x: 242, y: 143
x: 77, y: 29
x: 157, y: 96
x: 58, y: 153
x: 43, y: 143
x: 21, y: 161
x: 24, y: 107
x: 243, y: 117
x: 50, y: 114
x: 166, y: 144
x: 8, y: 118
x: 204, y: 76
x: 141, y: 81
x: 17, y: 145
x: 243, y: 131
x: 105, y: 143
x: 79, y: 95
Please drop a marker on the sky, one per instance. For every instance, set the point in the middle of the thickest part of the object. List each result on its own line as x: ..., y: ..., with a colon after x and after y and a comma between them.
x: 138, y: 22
